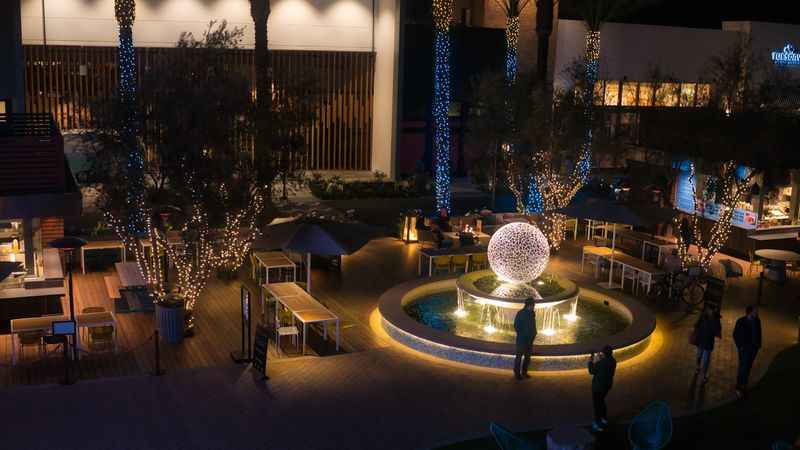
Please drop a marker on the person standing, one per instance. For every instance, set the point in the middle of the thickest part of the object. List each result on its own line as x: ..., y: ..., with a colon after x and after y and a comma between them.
x: 707, y: 330
x: 602, y: 368
x: 525, y: 326
x: 747, y: 336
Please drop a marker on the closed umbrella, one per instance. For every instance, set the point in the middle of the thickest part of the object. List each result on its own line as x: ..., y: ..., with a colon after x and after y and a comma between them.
x: 609, y: 210
x: 317, y: 237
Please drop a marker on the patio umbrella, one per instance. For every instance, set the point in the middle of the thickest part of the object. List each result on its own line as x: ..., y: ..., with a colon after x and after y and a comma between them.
x: 315, y: 236
x: 609, y: 210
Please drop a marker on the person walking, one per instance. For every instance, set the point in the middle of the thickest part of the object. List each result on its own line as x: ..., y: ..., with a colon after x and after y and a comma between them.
x: 747, y: 336
x: 602, y: 368
x: 525, y: 326
x: 707, y: 330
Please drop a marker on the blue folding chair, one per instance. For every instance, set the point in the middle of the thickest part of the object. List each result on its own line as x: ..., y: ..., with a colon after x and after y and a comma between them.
x: 651, y: 428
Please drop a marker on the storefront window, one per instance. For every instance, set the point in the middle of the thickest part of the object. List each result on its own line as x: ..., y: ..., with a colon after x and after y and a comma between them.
x: 645, y: 94
x: 598, y: 93
x: 667, y: 94
x: 22, y: 247
x: 776, y: 206
x: 703, y: 94
x: 629, y: 93
x: 612, y: 93
x: 687, y: 94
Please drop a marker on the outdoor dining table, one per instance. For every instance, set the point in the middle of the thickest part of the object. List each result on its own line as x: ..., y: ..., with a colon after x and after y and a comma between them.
x: 480, y: 237
x: 130, y: 277
x: 777, y: 262
x: 648, y: 240
x: 431, y: 253
x: 45, y: 325
x: 599, y: 252
x: 303, y: 307
x: 100, y: 245
x: 643, y: 272
x: 272, y: 260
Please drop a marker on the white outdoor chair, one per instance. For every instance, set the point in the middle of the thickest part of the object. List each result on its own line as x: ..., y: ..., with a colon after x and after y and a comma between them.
x: 629, y: 273
x: 292, y: 331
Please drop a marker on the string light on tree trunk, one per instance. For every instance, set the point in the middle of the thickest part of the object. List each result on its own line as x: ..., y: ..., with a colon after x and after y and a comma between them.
x: 442, y: 16
x: 125, y: 12
x: 592, y: 62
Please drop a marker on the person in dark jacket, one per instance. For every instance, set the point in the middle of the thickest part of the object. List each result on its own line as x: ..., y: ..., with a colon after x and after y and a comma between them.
x: 707, y: 330
x: 525, y: 326
x: 602, y: 368
x: 747, y: 336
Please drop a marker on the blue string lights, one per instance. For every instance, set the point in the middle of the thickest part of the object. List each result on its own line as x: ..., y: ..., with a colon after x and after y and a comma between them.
x: 125, y: 12
x: 442, y: 15
x: 592, y: 62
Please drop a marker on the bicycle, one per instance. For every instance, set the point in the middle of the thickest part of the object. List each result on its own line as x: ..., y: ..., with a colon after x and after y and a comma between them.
x: 687, y: 286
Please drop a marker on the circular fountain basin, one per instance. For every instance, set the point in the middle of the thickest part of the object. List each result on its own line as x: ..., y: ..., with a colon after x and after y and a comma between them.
x: 416, y: 315
x: 547, y: 290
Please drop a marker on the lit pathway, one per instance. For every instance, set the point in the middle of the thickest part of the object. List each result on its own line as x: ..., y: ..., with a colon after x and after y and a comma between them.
x: 383, y: 397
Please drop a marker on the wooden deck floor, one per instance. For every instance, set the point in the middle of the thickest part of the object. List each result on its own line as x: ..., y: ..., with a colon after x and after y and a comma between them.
x: 218, y: 333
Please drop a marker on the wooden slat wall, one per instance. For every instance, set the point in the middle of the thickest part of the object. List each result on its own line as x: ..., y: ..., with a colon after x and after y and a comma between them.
x: 31, y: 164
x: 52, y: 228
x: 71, y: 81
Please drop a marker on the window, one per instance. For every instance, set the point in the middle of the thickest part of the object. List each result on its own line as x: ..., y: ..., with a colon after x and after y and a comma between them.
x: 687, y: 94
x: 598, y: 93
x: 3, y: 106
x: 612, y: 93
x: 645, y: 94
x: 629, y: 93
x: 703, y: 94
x: 667, y: 94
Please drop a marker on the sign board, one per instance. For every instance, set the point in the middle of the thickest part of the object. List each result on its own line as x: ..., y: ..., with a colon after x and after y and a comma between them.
x: 787, y: 56
x: 63, y: 327
x: 685, y: 202
x: 260, y: 349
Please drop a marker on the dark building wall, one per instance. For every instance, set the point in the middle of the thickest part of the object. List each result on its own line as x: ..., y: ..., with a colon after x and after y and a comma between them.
x: 11, y: 62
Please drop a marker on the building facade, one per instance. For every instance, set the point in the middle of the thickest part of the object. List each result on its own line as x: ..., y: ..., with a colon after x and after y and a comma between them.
x: 69, y: 58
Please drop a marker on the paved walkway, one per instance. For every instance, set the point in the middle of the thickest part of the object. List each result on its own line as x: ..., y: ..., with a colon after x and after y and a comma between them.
x: 382, y: 397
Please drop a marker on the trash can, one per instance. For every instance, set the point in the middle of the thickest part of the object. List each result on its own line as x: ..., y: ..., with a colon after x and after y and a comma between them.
x: 170, y: 318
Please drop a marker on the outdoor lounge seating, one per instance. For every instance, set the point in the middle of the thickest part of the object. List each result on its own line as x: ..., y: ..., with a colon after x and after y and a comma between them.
x: 441, y: 264
x: 459, y: 263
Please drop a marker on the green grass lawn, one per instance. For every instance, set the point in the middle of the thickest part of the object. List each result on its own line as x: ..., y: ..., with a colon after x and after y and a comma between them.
x: 770, y: 412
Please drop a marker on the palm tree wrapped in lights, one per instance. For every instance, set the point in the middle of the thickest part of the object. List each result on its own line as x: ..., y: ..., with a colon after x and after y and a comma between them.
x: 125, y: 12
x: 442, y: 16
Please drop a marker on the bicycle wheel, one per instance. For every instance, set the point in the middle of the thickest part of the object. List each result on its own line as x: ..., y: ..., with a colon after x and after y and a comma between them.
x: 693, y: 294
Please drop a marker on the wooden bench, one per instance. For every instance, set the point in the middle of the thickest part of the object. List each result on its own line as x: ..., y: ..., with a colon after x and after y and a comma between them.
x: 112, y: 289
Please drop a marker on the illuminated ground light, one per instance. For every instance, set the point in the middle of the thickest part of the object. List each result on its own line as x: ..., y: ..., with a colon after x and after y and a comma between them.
x: 549, y: 332
x: 489, y: 329
x: 570, y: 317
x: 460, y: 312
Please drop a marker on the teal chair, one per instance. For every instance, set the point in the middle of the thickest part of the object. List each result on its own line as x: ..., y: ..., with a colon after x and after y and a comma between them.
x: 651, y: 428
x: 782, y: 445
x: 506, y: 440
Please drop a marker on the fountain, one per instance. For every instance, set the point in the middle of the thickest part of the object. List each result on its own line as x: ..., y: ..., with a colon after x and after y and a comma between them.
x: 470, y: 318
x: 518, y: 257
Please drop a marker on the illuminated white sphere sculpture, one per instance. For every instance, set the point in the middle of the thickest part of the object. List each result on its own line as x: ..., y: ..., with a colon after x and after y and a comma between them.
x: 518, y: 252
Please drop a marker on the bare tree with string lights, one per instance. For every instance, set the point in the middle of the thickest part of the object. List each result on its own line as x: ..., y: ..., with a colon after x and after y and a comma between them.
x: 203, y: 199
x: 730, y: 188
